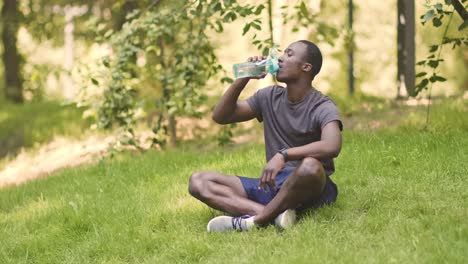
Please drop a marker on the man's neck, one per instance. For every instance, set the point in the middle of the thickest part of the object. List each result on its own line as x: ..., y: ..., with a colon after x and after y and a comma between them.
x: 298, y: 91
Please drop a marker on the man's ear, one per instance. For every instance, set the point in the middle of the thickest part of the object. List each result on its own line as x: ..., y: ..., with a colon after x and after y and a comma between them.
x: 307, y: 67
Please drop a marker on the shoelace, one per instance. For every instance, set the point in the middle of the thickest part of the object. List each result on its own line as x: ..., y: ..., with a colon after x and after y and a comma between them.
x: 237, y: 222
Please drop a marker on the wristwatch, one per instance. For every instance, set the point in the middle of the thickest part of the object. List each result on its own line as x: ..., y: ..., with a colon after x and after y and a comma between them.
x: 284, y: 153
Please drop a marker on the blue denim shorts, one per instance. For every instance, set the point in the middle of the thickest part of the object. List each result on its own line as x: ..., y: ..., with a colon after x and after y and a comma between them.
x: 328, y: 196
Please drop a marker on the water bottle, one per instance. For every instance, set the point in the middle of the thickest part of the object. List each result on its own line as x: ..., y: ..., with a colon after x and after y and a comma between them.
x: 257, y: 68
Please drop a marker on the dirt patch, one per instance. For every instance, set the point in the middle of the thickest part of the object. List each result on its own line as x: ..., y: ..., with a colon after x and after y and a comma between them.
x: 59, y: 153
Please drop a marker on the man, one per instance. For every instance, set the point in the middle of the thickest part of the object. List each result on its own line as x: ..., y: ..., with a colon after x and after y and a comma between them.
x: 302, y: 130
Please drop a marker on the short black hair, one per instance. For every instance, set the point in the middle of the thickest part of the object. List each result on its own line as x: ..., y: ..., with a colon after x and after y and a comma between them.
x: 313, y: 56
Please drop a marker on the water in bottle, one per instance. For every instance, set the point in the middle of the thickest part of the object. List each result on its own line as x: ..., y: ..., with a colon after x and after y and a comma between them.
x: 257, y: 68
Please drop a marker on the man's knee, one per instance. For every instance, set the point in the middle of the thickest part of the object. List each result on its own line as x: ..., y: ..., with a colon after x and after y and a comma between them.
x: 196, y: 183
x: 312, y: 169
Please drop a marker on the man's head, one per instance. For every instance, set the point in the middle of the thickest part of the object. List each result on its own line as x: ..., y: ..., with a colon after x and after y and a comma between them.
x: 302, y: 59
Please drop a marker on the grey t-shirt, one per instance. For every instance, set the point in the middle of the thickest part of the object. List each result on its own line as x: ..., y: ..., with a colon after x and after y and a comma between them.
x: 288, y: 125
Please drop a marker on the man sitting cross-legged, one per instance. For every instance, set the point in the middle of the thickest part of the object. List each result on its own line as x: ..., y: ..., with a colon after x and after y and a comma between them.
x: 302, y: 130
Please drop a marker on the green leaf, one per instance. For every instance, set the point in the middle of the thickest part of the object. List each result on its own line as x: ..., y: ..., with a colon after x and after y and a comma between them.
x: 304, y: 9
x: 436, y: 22
x: 463, y: 25
x: 172, y: 110
x: 217, y: 7
x: 448, y: 2
x: 227, y: 80
x: 246, y: 29
x: 108, y: 33
x: 256, y: 26
x: 199, y: 8
x: 101, y: 27
x: 94, y: 81
x: 439, y: 78
x: 438, y: 6
x: 421, y: 62
x: 433, y: 48
x: 429, y: 14
x: 433, y: 63
x: 259, y: 9
x: 423, y: 83
x: 151, y: 48
x: 106, y: 62
x: 220, y: 26
x: 421, y: 74
x: 227, y: 17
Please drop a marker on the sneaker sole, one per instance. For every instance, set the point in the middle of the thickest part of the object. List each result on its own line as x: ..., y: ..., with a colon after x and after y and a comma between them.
x: 212, y: 227
x: 288, y: 219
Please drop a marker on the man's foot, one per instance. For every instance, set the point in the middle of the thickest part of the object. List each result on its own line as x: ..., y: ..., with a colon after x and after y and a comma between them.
x: 286, y: 219
x: 227, y: 223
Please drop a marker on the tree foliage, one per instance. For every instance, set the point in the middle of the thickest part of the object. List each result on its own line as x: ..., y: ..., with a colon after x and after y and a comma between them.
x: 173, y: 39
x: 180, y: 58
x: 436, y: 14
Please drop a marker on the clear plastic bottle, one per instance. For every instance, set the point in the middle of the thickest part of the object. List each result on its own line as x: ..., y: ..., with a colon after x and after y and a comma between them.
x: 257, y: 68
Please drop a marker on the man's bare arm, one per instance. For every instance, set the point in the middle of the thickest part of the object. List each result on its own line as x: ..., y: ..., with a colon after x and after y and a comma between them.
x: 229, y: 109
x: 329, y: 145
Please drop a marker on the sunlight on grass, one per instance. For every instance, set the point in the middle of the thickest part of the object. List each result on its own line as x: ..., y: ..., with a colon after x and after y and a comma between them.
x: 32, y: 210
x: 3, y: 116
x: 402, y: 198
x: 39, y: 122
x: 178, y: 199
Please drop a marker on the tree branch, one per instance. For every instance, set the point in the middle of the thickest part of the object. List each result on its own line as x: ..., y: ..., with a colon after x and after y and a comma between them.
x: 270, y: 21
x: 154, y: 3
x: 460, y: 9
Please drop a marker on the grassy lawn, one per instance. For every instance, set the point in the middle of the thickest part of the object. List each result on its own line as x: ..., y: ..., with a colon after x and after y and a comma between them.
x: 34, y: 123
x: 402, y: 198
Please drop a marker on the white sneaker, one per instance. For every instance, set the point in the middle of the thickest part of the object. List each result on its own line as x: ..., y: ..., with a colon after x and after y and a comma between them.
x: 227, y: 223
x: 286, y: 219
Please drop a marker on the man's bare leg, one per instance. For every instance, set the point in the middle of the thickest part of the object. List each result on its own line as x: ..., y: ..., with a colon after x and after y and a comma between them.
x: 222, y: 192
x: 307, y: 182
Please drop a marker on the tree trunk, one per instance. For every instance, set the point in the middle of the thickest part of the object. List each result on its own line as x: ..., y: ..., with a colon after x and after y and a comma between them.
x: 127, y: 8
x: 278, y: 22
x: 70, y: 13
x: 270, y: 21
x: 11, y: 57
x: 172, y: 129
x: 405, y: 39
x: 68, y: 56
x: 351, y: 49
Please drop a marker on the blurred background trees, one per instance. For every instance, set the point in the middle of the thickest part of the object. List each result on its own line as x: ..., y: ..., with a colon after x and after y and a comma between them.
x: 13, y: 84
x: 168, y: 61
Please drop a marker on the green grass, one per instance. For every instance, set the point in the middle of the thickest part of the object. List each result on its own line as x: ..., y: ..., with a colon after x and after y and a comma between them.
x: 34, y: 123
x: 402, y: 198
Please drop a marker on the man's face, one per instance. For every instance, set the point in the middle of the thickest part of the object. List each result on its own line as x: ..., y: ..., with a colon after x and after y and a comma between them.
x: 291, y: 63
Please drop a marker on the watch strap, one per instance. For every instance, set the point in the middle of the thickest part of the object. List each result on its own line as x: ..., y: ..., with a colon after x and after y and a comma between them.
x: 284, y: 152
